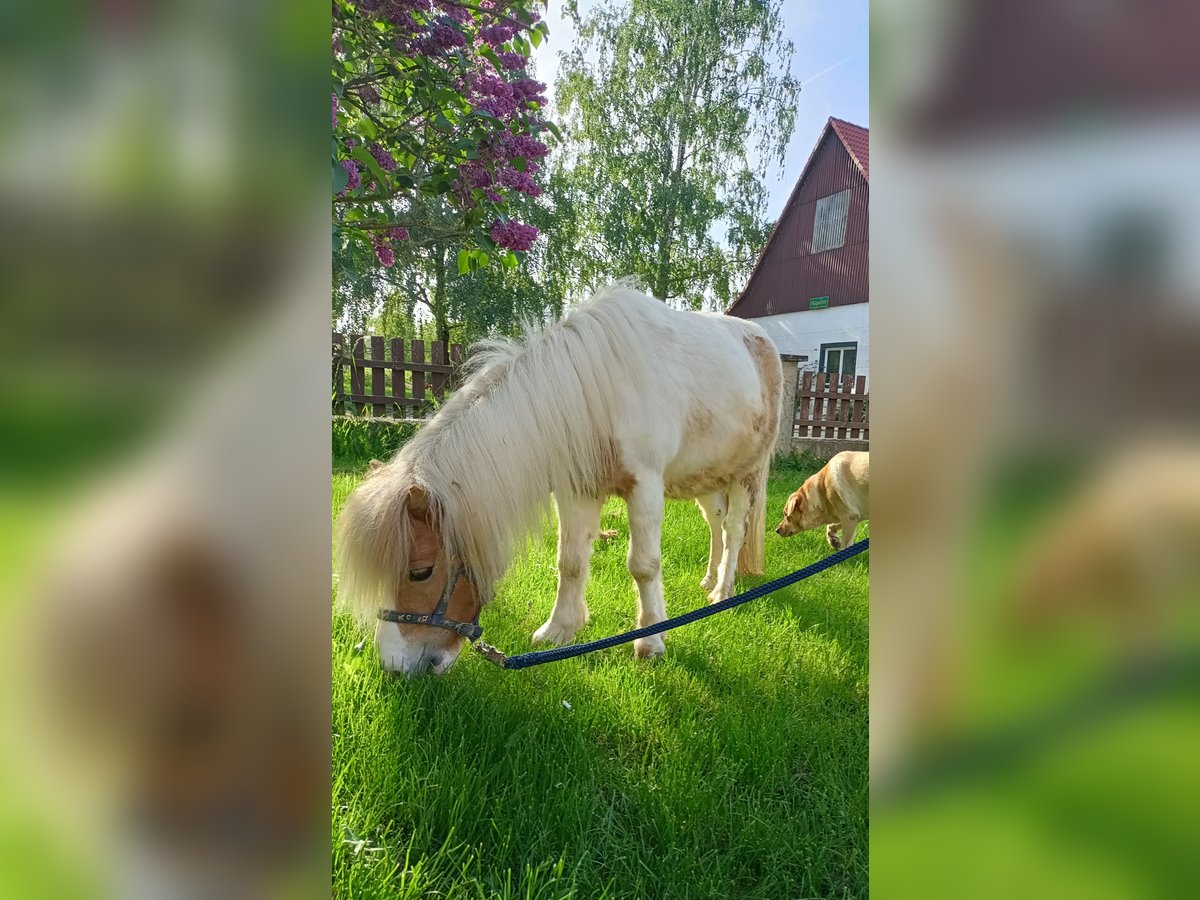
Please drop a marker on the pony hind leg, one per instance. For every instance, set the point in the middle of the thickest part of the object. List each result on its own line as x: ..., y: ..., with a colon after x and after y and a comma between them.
x: 578, y: 527
x: 713, y: 506
x: 733, y: 532
x: 645, y: 504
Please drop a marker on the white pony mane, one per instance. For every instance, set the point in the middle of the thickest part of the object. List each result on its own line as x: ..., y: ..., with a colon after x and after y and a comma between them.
x: 534, y: 417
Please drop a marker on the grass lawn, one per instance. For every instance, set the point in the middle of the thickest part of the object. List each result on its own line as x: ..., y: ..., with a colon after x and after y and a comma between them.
x: 734, y: 766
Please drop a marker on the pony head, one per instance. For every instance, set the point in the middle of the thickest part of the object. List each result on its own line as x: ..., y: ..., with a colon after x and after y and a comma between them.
x: 393, y: 557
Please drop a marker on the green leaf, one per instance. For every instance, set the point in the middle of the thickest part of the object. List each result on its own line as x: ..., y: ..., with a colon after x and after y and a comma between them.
x: 483, y: 259
x: 554, y: 130
x: 518, y: 163
x: 340, y: 178
x: 535, y: 37
x: 490, y: 55
x: 464, y: 262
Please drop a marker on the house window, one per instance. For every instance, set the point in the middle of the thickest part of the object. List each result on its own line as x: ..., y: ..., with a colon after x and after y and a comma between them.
x: 829, y: 223
x: 840, y: 359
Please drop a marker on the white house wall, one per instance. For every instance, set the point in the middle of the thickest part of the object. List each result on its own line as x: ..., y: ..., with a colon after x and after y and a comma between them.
x: 803, y: 333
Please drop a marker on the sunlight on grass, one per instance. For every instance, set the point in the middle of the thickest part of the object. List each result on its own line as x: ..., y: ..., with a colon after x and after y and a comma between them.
x: 735, y: 765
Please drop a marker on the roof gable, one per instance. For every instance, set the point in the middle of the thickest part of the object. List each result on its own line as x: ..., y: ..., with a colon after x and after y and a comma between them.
x: 855, y: 141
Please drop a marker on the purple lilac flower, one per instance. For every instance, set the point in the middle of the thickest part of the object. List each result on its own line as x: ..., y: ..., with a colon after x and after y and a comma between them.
x: 440, y: 38
x: 352, y: 178
x: 511, y: 60
x: 335, y: 109
x: 366, y: 6
x: 385, y: 255
x: 527, y: 89
x: 524, y: 145
x: 399, y: 233
x: 513, y: 235
x: 383, y: 158
x: 497, y: 34
x: 518, y: 181
x: 500, y: 107
x: 474, y: 175
x: 459, y: 14
x: 493, y: 195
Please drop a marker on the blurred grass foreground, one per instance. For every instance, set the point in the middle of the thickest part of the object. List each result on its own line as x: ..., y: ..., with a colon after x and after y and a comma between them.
x: 164, y: 476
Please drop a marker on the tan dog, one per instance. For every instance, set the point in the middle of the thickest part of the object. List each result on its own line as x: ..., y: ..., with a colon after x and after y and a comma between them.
x: 834, y: 497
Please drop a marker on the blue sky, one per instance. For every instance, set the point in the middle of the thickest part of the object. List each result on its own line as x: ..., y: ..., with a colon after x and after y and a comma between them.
x: 830, y: 60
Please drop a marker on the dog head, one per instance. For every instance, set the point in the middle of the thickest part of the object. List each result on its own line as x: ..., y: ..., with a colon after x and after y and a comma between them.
x: 802, y: 511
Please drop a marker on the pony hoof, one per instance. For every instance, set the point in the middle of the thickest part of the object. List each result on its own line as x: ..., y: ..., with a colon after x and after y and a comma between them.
x: 708, y: 582
x: 718, y: 595
x: 553, y: 633
x: 647, y: 648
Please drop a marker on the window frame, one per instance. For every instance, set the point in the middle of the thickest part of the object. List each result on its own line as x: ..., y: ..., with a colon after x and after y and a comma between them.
x: 827, y: 232
x: 839, y: 346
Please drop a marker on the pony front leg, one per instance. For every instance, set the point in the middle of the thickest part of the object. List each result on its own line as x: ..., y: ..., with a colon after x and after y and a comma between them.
x: 645, y: 504
x: 713, y: 507
x: 734, y: 532
x: 578, y: 527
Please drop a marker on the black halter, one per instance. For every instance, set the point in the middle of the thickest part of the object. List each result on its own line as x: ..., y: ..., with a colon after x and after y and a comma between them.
x: 470, y: 630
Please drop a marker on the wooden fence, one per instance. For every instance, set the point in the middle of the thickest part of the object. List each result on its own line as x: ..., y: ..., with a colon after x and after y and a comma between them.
x: 832, y: 408
x: 391, y: 376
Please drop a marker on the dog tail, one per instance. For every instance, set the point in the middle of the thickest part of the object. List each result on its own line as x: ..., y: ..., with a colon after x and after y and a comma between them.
x: 751, y: 557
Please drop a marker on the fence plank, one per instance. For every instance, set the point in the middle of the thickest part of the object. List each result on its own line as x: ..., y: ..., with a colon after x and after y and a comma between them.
x: 821, y: 401
x: 399, y: 407
x: 378, y: 385
x: 418, y: 378
x: 339, y: 384
x: 357, y: 379
x: 804, y: 413
x: 437, y: 354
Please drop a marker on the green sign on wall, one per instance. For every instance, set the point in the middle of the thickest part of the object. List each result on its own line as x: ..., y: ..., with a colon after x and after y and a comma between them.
x: 818, y: 303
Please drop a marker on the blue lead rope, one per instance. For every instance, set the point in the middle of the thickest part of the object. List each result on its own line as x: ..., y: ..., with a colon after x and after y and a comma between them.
x: 538, y: 657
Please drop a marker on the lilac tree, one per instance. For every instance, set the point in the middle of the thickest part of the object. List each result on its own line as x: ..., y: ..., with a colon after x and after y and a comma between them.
x: 436, y: 123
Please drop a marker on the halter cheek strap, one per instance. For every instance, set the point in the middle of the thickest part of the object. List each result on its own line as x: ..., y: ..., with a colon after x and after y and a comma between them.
x: 437, y: 619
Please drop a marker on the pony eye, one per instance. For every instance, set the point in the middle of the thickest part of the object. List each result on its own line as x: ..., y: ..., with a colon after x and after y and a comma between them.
x: 420, y: 574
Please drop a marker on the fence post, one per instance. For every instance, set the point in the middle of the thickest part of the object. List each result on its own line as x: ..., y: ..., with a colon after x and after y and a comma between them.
x: 787, y: 405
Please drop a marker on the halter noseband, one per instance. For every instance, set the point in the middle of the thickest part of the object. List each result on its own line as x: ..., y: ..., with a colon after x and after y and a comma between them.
x: 437, y: 619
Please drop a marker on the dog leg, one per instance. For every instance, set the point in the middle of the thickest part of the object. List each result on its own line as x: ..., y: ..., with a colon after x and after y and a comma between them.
x: 831, y: 535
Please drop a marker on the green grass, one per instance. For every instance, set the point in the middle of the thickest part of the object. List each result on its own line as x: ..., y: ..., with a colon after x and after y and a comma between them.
x: 734, y: 766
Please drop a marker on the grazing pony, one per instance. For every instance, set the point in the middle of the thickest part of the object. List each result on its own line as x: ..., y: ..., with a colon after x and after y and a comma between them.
x: 624, y: 396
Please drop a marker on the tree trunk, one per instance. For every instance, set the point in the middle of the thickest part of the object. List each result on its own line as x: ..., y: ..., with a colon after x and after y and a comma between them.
x: 662, y: 275
x: 441, y: 326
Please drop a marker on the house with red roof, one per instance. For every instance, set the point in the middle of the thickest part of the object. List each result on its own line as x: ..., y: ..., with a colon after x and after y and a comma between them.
x: 810, y: 287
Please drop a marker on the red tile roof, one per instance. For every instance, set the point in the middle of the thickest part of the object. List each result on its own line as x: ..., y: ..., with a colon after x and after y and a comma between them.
x: 857, y: 141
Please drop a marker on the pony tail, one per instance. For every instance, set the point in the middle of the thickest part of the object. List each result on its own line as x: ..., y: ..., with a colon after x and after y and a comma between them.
x: 751, y: 556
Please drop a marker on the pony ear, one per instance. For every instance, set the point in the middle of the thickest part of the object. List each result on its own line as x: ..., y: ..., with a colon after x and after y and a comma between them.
x: 418, y: 504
